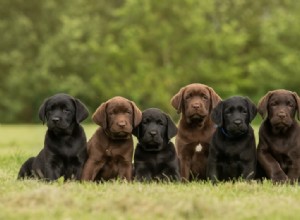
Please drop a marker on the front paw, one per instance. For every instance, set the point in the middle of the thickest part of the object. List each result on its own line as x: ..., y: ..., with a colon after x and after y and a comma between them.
x: 279, y: 177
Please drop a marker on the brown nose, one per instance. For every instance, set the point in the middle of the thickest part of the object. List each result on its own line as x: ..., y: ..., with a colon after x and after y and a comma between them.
x: 122, y: 124
x: 196, y: 105
x: 282, y: 115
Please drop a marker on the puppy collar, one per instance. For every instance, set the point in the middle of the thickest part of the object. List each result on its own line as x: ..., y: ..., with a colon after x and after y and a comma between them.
x: 115, y: 137
x: 231, y: 136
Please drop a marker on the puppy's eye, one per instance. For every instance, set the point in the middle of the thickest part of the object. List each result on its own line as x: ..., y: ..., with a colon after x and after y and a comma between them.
x: 188, y: 96
x: 272, y: 104
x: 290, y: 104
x: 66, y: 111
x: 128, y: 112
x: 160, y: 122
x: 145, y: 121
x: 205, y: 97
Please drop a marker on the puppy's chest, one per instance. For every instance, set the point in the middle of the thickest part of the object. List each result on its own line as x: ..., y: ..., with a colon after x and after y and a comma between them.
x: 229, y: 152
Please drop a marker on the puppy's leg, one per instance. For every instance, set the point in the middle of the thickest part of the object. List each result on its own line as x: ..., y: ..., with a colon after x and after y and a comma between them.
x: 91, y: 169
x: 125, y: 170
x: 169, y: 174
x: 26, y: 169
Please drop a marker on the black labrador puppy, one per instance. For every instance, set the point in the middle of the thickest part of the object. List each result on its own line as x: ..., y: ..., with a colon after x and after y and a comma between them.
x: 232, y: 154
x: 155, y: 157
x: 65, y: 151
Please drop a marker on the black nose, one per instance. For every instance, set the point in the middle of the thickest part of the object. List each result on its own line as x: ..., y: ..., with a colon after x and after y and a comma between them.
x: 153, y: 133
x: 237, y: 122
x: 55, y: 119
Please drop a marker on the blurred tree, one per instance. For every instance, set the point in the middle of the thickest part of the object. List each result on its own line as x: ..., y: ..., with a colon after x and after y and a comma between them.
x: 143, y: 50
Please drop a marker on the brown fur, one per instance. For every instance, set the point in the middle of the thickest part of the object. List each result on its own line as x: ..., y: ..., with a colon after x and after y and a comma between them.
x: 195, y: 103
x: 110, y: 149
x: 279, y: 136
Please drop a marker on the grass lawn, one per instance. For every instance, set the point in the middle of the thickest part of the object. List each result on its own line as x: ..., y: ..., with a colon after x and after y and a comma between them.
x: 33, y: 199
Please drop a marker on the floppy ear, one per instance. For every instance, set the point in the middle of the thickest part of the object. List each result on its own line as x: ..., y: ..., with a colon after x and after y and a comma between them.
x: 136, y: 131
x: 217, y: 114
x: 171, y: 127
x: 99, y: 116
x: 262, y: 106
x: 214, y: 98
x: 298, y: 104
x: 42, y: 111
x: 81, y: 111
x: 176, y: 101
x: 251, y: 109
x: 137, y: 115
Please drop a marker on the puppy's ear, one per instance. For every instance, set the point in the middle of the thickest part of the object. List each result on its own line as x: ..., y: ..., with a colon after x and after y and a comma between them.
x: 217, y: 114
x: 177, y: 100
x: 99, y: 116
x: 42, y: 111
x: 251, y: 109
x: 298, y: 104
x: 262, y: 106
x: 81, y: 111
x: 137, y: 115
x: 136, y: 131
x: 171, y: 127
x: 214, y: 98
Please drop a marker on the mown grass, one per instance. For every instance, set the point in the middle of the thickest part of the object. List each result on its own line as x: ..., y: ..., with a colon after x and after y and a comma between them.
x: 31, y: 199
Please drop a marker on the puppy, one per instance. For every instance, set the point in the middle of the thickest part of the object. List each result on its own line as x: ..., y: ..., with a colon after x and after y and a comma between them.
x: 195, y: 102
x: 110, y: 149
x: 279, y: 136
x: 64, y: 151
x: 232, y: 153
x: 155, y: 156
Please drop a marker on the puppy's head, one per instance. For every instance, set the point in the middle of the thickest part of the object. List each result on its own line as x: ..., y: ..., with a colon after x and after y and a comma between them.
x: 195, y: 101
x: 234, y: 115
x: 281, y: 106
x: 118, y: 116
x: 61, y: 111
x: 155, y: 130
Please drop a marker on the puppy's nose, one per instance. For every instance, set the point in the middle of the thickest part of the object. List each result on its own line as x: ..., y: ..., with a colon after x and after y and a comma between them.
x: 281, y: 115
x: 196, y: 105
x: 122, y: 124
x: 153, y: 133
x: 237, y: 121
x: 55, y: 119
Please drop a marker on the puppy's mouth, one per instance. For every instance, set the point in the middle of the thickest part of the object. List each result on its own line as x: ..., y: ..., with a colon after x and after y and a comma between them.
x: 196, y: 118
x: 118, y: 135
x: 281, y: 123
x: 152, y: 147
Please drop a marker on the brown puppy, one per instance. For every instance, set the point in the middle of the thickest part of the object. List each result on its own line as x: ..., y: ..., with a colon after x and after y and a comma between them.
x: 195, y: 129
x: 279, y: 136
x: 110, y: 149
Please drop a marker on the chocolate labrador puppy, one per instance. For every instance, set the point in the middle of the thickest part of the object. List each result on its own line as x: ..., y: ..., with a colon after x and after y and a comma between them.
x: 232, y: 153
x: 155, y: 157
x: 64, y: 151
x: 195, y: 102
x: 279, y: 136
x: 110, y: 149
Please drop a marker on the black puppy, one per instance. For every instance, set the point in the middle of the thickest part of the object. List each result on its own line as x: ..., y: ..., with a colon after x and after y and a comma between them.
x: 155, y: 157
x: 232, y: 153
x: 65, y: 151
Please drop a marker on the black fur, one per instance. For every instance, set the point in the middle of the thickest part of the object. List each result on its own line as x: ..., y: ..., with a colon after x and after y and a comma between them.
x: 232, y: 153
x: 64, y: 152
x: 155, y: 157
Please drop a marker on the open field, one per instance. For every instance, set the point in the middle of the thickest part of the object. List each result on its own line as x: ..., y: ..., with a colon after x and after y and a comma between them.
x: 32, y: 199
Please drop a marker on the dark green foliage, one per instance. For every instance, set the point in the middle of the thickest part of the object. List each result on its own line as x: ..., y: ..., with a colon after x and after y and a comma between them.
x: 143, y: 50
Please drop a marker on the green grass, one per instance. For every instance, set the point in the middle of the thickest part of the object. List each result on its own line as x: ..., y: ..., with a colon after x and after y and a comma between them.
x: 33, y: 199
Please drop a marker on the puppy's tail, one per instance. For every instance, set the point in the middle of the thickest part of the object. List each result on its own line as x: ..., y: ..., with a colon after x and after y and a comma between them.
x: 26, y: 169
